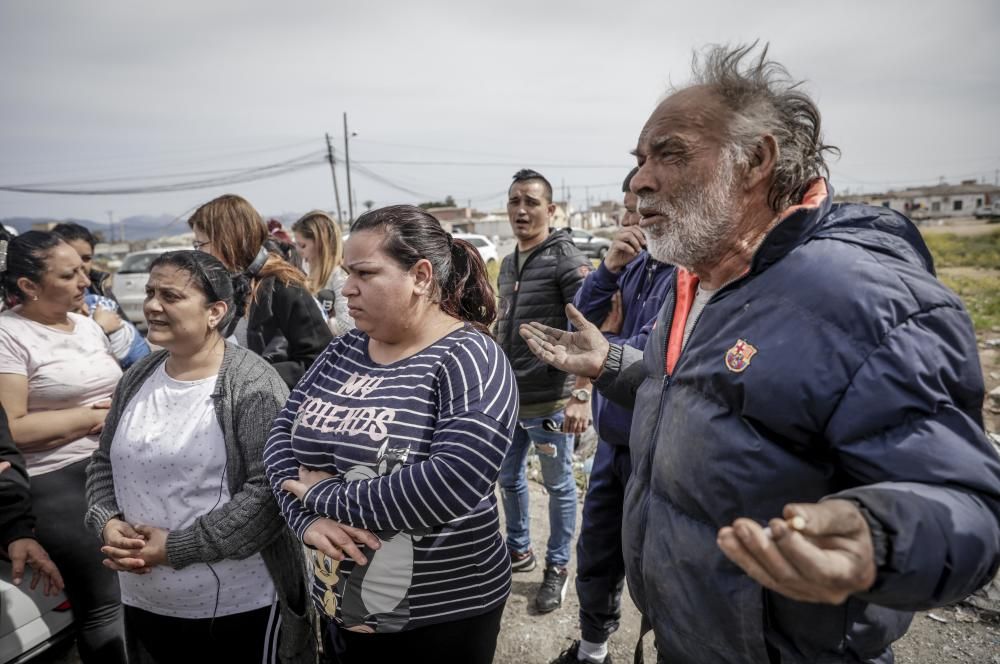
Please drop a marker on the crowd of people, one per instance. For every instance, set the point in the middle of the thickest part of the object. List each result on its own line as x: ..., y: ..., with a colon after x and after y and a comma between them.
x: 300, y: 461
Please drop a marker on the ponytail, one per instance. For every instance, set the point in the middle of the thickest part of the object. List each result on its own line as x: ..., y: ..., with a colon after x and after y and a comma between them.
x: 467, y: 293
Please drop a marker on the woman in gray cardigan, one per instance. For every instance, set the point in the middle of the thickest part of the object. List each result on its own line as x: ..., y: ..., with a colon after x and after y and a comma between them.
x: 177, y: 491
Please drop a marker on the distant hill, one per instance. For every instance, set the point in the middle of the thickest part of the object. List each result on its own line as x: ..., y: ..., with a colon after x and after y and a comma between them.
x: 140, y: 227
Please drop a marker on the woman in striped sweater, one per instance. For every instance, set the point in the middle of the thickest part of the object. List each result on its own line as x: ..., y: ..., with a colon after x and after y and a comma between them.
x: 386, y: 456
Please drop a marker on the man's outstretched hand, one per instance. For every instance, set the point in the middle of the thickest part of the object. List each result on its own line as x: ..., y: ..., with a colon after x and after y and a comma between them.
x: 580, y: 353
x: 820, y: 552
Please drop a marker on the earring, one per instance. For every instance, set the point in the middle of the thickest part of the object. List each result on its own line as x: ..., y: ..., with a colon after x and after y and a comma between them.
x: 34, y: 298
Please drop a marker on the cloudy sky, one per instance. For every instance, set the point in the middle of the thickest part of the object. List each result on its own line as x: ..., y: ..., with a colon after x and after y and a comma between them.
x: 117, y: 94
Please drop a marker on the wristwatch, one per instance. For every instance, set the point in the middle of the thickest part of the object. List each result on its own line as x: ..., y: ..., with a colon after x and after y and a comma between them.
x: 582, y: 395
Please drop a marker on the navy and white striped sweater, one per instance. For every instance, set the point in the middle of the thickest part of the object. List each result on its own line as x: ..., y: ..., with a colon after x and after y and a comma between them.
x: 415, y: 447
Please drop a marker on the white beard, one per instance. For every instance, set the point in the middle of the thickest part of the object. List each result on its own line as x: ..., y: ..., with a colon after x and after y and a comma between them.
x: 696, y: 224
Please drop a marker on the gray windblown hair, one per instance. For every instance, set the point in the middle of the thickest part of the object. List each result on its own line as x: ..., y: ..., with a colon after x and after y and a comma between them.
x: 764, y: 99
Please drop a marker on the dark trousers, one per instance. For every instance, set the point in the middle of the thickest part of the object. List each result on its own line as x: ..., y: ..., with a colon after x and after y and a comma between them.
x: 59, y: 501
x: 600, y: 567
x: 250, y: 637
x: 467, y: 641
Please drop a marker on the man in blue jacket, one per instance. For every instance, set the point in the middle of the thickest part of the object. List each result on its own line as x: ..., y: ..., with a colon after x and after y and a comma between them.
x: 621, y: 296
x: 809, y: 460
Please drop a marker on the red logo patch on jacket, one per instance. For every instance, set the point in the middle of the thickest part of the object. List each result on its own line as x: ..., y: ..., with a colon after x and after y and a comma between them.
x: 738, y: 357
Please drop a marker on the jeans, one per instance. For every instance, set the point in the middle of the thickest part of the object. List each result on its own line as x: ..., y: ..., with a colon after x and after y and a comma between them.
x: 59, y: 502
x: 600, y: 567
x: 555, y: 455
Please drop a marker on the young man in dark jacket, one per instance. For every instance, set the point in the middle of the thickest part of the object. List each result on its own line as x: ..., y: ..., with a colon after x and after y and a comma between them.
x: 536, y: 283
x: 621, y: 296
x: 809, y: 460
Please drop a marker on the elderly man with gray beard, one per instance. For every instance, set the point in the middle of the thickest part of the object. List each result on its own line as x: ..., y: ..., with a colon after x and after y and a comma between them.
x: 809, y: 460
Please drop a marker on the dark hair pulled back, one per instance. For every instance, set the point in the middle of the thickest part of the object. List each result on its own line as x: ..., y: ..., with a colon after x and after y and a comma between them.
x: 411, y: 234
x: 213, y: 280
x: 26, y: 256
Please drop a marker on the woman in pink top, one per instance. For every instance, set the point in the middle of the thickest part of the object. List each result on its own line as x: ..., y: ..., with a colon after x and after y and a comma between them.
x: 57, y: 374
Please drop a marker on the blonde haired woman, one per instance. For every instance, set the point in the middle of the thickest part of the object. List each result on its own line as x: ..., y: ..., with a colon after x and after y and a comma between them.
x: 317, y: 237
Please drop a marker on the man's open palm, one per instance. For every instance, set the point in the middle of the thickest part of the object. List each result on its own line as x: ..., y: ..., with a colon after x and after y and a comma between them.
x: 580, y: 353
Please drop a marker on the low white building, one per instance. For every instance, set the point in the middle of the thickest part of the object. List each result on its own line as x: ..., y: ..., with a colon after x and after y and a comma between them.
x: 933, y: 202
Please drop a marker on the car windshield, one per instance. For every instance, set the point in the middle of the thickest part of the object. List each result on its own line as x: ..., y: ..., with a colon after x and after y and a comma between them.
x: 135, y: 263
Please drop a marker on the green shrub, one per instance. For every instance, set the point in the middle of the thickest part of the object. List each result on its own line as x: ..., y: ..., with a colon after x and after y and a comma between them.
x: 952, y: 250
x: 980, y: 293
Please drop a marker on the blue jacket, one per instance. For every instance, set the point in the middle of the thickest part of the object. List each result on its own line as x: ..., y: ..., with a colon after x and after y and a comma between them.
x: 866, y: 385
x: 642, y: 283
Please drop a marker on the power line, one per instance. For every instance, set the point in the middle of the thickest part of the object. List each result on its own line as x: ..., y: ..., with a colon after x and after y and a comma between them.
x: 507, y: 164
x: 219, y: 152
x: 302, y: 162
x: 372, y: 175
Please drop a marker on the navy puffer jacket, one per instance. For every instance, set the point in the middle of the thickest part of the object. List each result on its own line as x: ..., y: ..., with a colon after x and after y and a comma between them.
x: 866, y: 385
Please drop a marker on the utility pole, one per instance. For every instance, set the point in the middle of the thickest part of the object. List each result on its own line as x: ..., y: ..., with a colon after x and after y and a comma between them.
x: 333, y: 172
x: 347, y: 162
x: 111, y: 226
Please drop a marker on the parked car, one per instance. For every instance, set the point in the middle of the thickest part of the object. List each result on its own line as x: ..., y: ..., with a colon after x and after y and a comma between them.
x: 991, y: 211
x: 129, y: 283
x: 591, y: 245
x: 30, y: 622
x: 483, y: 245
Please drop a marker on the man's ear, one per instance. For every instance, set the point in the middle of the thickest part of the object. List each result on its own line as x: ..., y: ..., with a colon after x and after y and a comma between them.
x: 552, y: 210
x: 763, y: 161
x: 423, y: 277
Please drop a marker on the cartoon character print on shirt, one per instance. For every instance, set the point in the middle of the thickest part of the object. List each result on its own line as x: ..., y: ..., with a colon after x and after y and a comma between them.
x: 377, y: 592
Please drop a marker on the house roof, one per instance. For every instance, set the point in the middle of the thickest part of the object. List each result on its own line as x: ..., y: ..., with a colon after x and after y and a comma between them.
x: 932, y: 190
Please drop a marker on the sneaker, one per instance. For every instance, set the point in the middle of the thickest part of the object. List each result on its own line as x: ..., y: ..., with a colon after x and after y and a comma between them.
x: 572, y: 656
x: 553, y: 591
x: 522, y: 562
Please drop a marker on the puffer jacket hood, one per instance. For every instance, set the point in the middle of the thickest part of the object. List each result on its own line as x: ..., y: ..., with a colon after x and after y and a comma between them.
x: 837, y: 366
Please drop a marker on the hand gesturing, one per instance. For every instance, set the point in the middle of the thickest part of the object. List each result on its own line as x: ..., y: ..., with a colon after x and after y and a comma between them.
x: 580, y: 353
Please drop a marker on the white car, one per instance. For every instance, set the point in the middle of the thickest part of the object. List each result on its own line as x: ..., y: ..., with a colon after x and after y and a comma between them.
x: 487, y: 250
x: 30, y: 622
x: 129, y: 285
